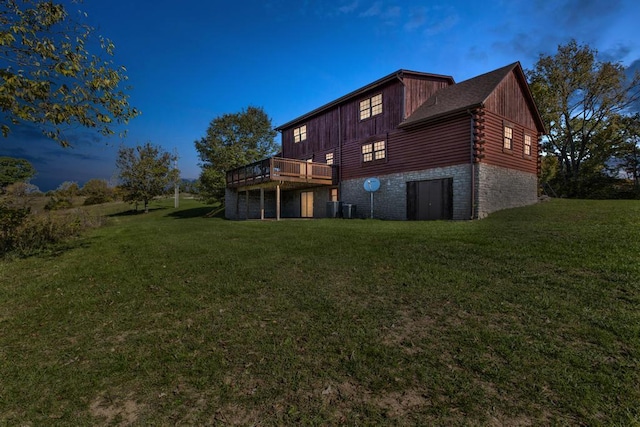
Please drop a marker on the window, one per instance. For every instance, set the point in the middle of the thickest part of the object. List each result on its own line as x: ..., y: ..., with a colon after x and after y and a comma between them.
x: 374, y: 151
x: 334, y: 195
x: 379, y: 151
x: 527, y: 145
x: 329, y: 158
x: 300, y: 134
x: 371, y: 107
x: 508, y: 138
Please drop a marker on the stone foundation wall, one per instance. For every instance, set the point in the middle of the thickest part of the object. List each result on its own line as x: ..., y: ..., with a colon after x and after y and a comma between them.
x: 236, y: 206
x: 390, y: 201
x: 500, y: 188
x: 496, y: 188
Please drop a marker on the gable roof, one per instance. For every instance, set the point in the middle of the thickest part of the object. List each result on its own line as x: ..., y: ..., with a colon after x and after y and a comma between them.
x: 469, y: 94
x: 399, y: 75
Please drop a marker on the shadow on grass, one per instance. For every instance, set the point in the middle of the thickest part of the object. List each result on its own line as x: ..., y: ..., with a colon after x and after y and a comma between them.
x: 132, y: 212
x: 202, y: 212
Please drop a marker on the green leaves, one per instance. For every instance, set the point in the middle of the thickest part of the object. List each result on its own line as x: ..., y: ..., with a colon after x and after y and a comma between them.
x: 233, y: 140
x: 51, y: 79
x: 15, y: 170
x: 580, y: 99
x: 145, y: 172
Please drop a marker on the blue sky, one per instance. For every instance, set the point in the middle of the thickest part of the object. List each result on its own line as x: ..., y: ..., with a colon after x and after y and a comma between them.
x: 190, y: 61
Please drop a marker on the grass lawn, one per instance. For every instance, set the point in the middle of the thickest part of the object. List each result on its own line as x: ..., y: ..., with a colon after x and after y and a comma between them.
x: 529, y: 317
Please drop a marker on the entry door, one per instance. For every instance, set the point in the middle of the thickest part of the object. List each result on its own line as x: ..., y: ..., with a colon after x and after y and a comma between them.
x: 430, y: 200
x: 306, y: 204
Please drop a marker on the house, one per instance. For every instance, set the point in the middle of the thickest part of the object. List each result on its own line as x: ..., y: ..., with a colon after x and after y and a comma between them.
x: 439, y: 150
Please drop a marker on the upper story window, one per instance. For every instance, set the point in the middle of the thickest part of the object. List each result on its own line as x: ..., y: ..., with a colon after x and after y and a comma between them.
x: 527, y: 145
x: 300, y: 134
x: 374, y: 151
x: 508, y: 138
x: 371, y: 106
x: 328, y: 158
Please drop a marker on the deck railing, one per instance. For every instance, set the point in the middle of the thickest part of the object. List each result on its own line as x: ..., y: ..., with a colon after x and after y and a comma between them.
x: 281, y: 169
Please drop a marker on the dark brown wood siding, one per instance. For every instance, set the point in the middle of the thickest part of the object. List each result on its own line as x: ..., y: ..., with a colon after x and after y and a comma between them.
x: 514, y: 158
x: 508, y: 100
x: 441, y: 144
x: 323, y: 130
x: 322, y: 136
x: 354, y: 128
x: 419, y: 89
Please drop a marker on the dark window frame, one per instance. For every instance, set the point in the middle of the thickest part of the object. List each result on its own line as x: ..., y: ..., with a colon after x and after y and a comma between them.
x: 369, y: 109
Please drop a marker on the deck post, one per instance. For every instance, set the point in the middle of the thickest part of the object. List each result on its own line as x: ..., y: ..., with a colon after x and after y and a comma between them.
x: 278, y: 202
x: 237, y: 216
x: 262, y: 203
x: 246, y: 204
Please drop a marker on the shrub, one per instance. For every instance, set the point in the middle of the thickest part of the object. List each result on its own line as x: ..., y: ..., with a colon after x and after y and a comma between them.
x: 27, y: 234
x: 10, y: 221
x: 96, y: 200
x: 56, y: 203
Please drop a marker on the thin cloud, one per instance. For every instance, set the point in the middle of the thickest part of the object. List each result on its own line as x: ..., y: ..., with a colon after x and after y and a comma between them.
x: 444, y: 25
x: 417, y: 18
x: 348, y: 8
x: 374, y: 10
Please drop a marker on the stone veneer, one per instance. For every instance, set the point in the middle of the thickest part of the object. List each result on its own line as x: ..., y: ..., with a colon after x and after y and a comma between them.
x: 496, y: 188
x: 501, y: 188
x: 234, y: 200
x: 390, y: 201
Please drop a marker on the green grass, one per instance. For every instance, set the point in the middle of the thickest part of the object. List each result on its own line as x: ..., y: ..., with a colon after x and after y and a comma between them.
x: 531, y: 316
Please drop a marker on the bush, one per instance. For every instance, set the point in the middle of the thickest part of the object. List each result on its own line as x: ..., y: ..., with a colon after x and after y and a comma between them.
x: 10, y: 221
x: 56, y: 203
x: 96, y: 200
x: 26, y: 234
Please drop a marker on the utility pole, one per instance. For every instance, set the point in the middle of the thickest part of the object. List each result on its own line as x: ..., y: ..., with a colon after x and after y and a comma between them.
x: 176, y: 202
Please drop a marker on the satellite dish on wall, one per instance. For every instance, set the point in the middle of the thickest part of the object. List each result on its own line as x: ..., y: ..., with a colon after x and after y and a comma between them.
x: 372, y: 184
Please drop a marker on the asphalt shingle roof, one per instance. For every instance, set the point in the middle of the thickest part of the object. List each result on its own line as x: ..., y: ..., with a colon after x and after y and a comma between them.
x: 460, y: 96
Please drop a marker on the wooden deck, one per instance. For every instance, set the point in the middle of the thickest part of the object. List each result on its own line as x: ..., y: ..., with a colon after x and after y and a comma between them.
x: 277, y: 170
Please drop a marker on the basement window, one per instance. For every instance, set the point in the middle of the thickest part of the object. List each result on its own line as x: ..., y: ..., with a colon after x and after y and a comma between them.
x: 371, y: 106
x: 300, y: 134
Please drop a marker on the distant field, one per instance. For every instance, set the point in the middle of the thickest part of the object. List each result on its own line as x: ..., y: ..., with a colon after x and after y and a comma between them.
x: 529, y: 317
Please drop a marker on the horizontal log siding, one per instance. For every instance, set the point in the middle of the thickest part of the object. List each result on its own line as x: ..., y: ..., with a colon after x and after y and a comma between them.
x: 439, y: 145
x: 418, y: 90
x: 509, y: 101
x: 515, y: 159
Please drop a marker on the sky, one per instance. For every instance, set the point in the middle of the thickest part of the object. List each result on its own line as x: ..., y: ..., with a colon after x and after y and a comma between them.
x: 190, y: 61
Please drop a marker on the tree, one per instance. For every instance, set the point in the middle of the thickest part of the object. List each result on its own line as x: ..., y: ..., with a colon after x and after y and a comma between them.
x: 68, y: 190
x: 50, y: 77
x: 145, y: 172
x: 630, y: 156
x: 581, y: 100
x: 96, y: 191
x: 233, y: 140
x: 15, y: 170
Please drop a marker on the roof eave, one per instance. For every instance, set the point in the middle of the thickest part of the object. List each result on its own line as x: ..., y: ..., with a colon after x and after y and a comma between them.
x: 358, y: 92
x: 437, y: 117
